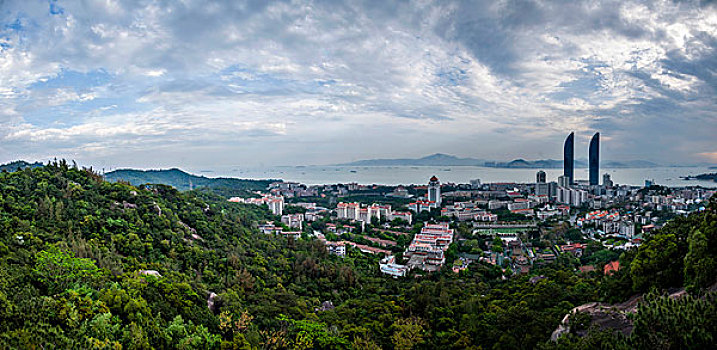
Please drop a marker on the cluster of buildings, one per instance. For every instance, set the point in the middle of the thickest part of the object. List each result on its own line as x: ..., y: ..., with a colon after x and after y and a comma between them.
x: 339, y: 247
x: 426, y: 251
x: 358, y: 212
x: 293, y: 221
x: 275, y: 203
x: 433, y: 197
x: 515, y: 254
x: 467, y: 211
x: 610, y: 223
x: 293, y: 189
x: 613, y: 211
x: 568, y: 190
x: 270, y: 229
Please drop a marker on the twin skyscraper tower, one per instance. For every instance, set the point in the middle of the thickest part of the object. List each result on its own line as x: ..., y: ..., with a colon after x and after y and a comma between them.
x: 593, y: 161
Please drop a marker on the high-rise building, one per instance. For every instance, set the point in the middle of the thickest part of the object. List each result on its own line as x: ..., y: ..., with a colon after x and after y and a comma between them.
x: 569, y: 158
x: 594, y: 159
x: 542, y: 189
x: 276, y: 205
x: 563, y: 181
x: 540, y: 177
x: 572, y: 196
x: 434, y: 190
x: 606, y: 181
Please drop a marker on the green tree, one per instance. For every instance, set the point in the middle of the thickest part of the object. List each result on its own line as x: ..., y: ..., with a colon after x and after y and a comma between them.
x: 662, y: 322
x: 700, y: 265
x: 59, y: 269
x: 407, y: 333
x: 658, y: 262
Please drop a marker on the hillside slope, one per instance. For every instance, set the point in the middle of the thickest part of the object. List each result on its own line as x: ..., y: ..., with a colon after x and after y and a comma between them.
x: 86, y: 263
x: 663, y: 296
x: 184, y: 181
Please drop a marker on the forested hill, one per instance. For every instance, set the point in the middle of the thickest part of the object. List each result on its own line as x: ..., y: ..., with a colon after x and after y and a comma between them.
x: 19, y: 164
x: 184, y: 181
x: 86, y: 263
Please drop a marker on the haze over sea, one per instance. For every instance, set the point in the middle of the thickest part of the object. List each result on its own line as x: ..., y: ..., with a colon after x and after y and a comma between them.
x: 396, y: 175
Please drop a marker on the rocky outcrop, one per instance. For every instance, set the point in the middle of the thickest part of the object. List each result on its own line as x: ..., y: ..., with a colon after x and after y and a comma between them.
x: 325, y: 306
x: 606, y: 316
x: 157, y: 208
x: 189, y: 228
x: 602, y: 315
x: 154, y: 273
x: 210, y: 301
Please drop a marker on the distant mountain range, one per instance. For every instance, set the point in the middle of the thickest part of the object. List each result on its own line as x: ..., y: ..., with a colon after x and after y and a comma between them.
x: 440, y: 159
x: 437, y: 159
x: 19, y: 165
x: 184, y: 181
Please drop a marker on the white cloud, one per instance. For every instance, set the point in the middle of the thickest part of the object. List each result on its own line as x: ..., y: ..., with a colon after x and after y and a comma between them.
x: 190, y: 74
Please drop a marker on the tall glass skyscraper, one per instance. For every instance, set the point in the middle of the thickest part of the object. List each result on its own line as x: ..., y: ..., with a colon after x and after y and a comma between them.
x: 594, y: 159
x: 569, y: 158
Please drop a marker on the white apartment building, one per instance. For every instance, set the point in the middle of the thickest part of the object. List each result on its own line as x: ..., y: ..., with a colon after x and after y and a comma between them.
x: 293, y: 220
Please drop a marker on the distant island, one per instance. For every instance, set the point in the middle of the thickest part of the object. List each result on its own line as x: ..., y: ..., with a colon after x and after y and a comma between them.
x: 440, y: 159
x: 183, y: 181
x: 703, y: 177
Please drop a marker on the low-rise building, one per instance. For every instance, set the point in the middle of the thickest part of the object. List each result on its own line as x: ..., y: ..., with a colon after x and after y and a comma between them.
x: 389, y: 267
x: 611, y: 267
x: 492, y: 205
x: 575, y: 249
x: 275, y: 203
x: 270, y: 229
x: 427, y: 250
x: 419, y: 206
x: 403, y: 215
x: 336, y: 248
x: 293, y: 220
x: 381, y: 242
x: 293, y: 234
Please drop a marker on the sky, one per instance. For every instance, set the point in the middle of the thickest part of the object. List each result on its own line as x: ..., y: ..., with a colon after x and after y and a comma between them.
x: 154, y: 84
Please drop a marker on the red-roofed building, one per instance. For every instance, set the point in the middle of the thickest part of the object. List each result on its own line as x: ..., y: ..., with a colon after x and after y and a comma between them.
x: 611, y: 267
x: 648, y: 228
x: 575, y: 248
x: 528, y: 212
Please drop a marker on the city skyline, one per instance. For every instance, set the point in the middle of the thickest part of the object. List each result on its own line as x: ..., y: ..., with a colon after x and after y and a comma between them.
x: 135, y: 84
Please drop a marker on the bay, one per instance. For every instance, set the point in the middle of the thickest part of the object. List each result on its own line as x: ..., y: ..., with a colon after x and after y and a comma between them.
x: 397, y: 175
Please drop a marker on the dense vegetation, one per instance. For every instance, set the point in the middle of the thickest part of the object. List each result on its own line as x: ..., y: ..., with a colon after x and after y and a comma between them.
x: 87, y: 263
x: 681, y: 255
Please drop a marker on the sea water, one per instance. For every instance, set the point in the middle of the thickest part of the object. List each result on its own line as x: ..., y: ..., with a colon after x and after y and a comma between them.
x: 396, y: 175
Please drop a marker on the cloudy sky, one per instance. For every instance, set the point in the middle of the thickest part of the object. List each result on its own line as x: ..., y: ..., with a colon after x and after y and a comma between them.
x: 226, y: 83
